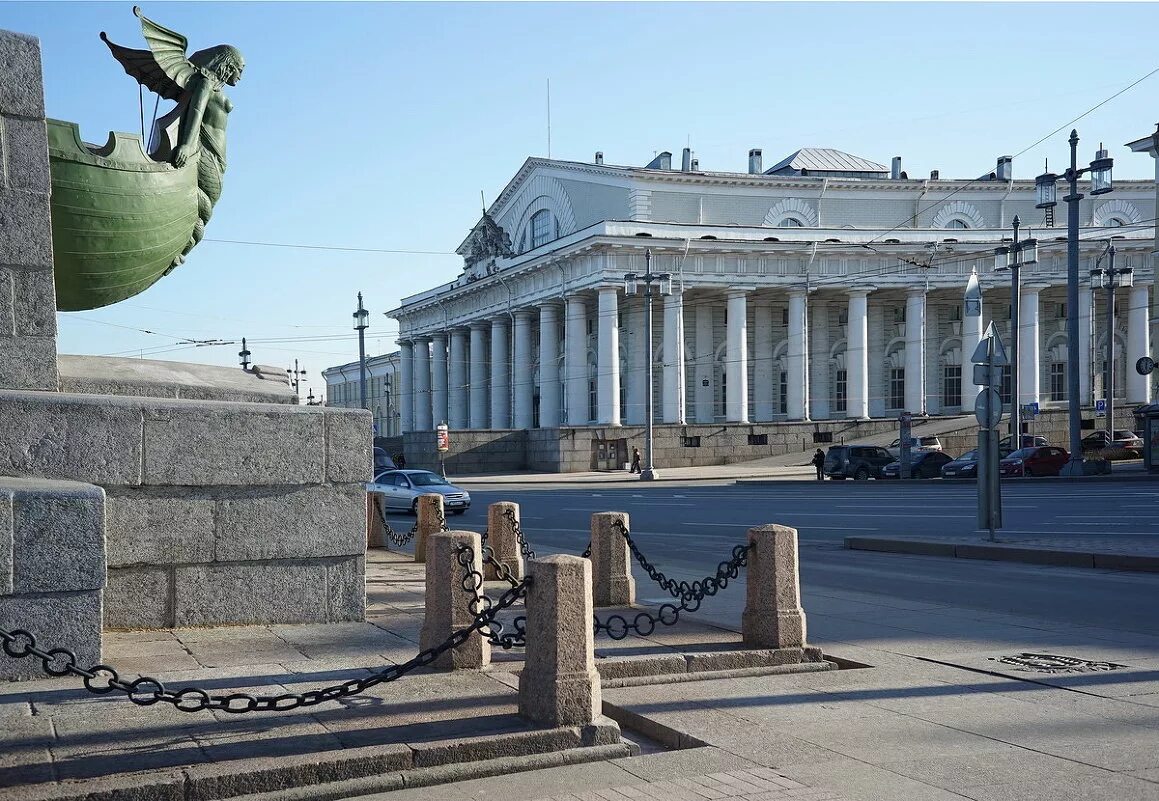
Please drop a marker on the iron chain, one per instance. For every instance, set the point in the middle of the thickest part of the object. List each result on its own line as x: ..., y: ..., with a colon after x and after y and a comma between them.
x: 392, y: 535
x: 509, y: 513
x: 481, y: 603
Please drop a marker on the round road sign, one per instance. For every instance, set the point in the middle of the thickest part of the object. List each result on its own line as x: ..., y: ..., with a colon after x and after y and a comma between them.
x: 1145, y: 365
x: 988, y: 408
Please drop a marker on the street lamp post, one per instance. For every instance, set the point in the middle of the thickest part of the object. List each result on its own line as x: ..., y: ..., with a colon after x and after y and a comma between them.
x: 243, y: 356
x: 1100, y: 170
x: 1013, y: 258
x: 361, y: 323
x: 1111, y: 278
x: 664, y: 287
x: 295, y: 376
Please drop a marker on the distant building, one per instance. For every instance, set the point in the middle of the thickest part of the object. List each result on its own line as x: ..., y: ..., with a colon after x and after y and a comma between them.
x: 828, y: 287
x: 382, y: 390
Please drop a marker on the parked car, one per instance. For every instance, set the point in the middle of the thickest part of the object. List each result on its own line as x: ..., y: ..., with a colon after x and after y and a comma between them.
x: 382, y: 461
x: 966, y: 465
x: 1028, y: 441
x: 923, y: 464
x: 1119, y: 440
x: 1040, y: 461
x: 400, y: 489
x: 855, y: 461
x: 917, y: 444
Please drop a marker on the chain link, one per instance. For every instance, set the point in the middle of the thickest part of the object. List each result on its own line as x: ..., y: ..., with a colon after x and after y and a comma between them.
x: 146, y: 690
x: 392, y: 535
x: 587, y: 554
x: 472, y: 584
x: 440, y: 517
x: 509, y: 513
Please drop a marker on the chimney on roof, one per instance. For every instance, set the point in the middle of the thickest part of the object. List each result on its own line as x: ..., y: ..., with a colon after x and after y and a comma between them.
x: 895, y: 170
x: 695, y: 165
x: 934, y: 175
x: 755, y: 161
x: 599, y: 157
x: 1005, y: 168
x: 686, y: 160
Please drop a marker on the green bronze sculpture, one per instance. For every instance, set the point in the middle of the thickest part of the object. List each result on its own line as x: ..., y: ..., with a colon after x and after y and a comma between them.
x: 124, y: 217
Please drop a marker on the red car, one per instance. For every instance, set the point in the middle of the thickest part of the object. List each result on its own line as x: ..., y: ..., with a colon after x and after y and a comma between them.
x: 1040, y: 461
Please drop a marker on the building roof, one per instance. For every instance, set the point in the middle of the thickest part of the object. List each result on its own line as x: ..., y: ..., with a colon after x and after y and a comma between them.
x: 824, y: 159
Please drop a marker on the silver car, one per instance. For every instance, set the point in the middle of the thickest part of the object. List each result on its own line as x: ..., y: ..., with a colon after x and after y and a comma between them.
x: 400, y: 489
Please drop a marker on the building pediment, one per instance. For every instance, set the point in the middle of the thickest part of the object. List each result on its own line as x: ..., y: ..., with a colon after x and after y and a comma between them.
x: 481, y: 251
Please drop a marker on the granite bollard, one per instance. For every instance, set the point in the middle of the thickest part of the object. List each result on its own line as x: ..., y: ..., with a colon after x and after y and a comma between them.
x: 431, y: 521
x: 375, y: 535
x: 448, y: 605
x: 611, y: 561
x: 502, y: 539
x: 773, y: 617
x: 559, y: 685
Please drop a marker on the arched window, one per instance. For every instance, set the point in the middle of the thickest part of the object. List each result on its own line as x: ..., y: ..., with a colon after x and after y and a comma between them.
x: 791, y: 222
x: 957, y: 224
x: 1116, y: 222
x: 540, y: 228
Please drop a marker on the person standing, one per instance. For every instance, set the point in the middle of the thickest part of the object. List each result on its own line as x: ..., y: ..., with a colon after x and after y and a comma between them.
x: 819, y: 464
x: 635, y: 460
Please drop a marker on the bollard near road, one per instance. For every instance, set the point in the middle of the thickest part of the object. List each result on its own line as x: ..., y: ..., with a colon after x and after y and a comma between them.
x: 773, y: 617
x: 375, y: 535
x: 431, y: 520
x: 502, y: 518
x: 559, y: 685
x: 611, y: 561
x: 448, y: 606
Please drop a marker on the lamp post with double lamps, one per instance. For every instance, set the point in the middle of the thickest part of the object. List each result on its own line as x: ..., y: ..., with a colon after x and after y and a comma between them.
x: 1110, y: 278
x: 296, y: 376
x: 1020, y: 253
x: 361, y: 323
x: 663, y: 283
x: 1100, y: 170
x: 243, y: 356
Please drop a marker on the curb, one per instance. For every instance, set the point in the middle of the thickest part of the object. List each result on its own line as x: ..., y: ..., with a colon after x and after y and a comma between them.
x: 955, y: 482
x: 1007, y: 553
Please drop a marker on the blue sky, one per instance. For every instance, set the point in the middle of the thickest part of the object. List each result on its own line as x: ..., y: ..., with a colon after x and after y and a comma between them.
x: 376, y: 126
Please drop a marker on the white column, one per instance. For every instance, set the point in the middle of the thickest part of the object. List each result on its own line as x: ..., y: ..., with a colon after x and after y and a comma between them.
x: 705, y: 369
x: 972, y: 326
x: 915, y: 312
x: 439, y: 378
x: 1085, y: 323
x: 763, y: 399
x: 1138, y: 344
x: 672, y: 400
x: 575, y: 361
x: 500, y: 373
x: 457, y: 381
x: 422, y: 384
x: 857, y: 355
x: 796, y: 354
x: 549, y: 396
x: 1028, y: 345
x: 406, y: 413
x: 608, y: 358
x: 480, y: 408
x: 522, y: 382
x: 736, y: 357
x: 637, y: 362
x: 819, y: 361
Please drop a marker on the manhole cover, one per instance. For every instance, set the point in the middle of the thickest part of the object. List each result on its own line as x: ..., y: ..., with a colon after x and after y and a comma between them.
x: 1054, y: 663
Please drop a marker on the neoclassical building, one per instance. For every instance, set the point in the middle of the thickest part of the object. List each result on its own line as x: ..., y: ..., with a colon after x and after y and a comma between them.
x: 343, y: 389
x: 824, y: 288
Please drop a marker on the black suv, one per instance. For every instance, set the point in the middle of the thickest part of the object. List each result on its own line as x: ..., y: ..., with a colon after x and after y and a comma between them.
x: 856, y: 461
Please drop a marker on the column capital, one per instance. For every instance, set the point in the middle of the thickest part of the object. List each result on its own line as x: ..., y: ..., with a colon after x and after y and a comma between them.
x: 860, y: 292
x: 424, y: 339
x: 1034, y: 288
x: 736, y: 291
x: 405, y: 343
x: 525, y: 314
x: 499, y: 319
x: 438, y: 335
x: 479, y: 325
x: 915, y: 292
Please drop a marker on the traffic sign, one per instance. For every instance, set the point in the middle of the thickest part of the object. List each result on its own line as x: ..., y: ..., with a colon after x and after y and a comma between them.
x: 991, y: 350
x: 1030, y: 409
x: 988, y: 408
x: 1145, y: 365
x: 987, y: 376
x: 1101, y: 407
x: 443, y: 437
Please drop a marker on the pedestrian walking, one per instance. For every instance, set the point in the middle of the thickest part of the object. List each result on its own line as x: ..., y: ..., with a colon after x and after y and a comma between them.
x: 635, y: 460
x: 400, y: 460
x: 819, y: 463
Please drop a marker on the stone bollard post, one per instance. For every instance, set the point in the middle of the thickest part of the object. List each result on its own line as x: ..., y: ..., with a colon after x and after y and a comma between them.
x: 611, y: 561
x: 375, y: 534
x: 431, y: 519
x: 559, y: 685
x: 448, y: 606
x: 773, y: 617
x: 501, y: 537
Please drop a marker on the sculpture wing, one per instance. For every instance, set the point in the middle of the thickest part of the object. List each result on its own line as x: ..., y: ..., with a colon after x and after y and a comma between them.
x: 163, y: 68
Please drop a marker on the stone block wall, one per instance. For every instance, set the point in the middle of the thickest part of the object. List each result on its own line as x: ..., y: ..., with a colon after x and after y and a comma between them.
x: 27, y: 293
x: 52, y: 567
x: 218, y: 513
x: 471, y: 451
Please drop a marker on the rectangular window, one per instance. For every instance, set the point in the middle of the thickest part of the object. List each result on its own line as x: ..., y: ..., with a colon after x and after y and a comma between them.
x: 593, y: 401
x: 840, y: 391
x: 758, y: 439
x: 785, y: 316
x: 540, y: 227
x: 1060, y: 311
x: 952, y: 385
x: 783, y: 405
x: 1005, y: 388
x: 1058, y: 381
x: 897, y: 388
x: 956, y: 313
x: 690, y: 442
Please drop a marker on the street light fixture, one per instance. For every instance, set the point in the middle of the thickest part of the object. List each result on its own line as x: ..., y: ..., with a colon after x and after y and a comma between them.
x: 1100, y: 170
x: 1111, y: 279
x: 664, y: 287
x: 295, y: 376
x: 361, y: 323
x: 1019, y: 254
x: 243, y: 356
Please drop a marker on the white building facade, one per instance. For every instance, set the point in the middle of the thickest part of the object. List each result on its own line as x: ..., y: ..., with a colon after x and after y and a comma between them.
x: 825, y: 288
x: 343, y: 388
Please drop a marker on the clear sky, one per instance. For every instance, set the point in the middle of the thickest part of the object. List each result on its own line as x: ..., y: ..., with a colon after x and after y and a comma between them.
x: 376, y: 126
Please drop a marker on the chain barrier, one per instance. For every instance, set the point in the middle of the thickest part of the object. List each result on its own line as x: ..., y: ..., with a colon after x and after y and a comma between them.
x: 690, y: 594
x: 146, y: 690
x: 509, y: 513
x: 481, y: 603
x: 440, y: 517
x: 398, y: 539
x: 587, y: 554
